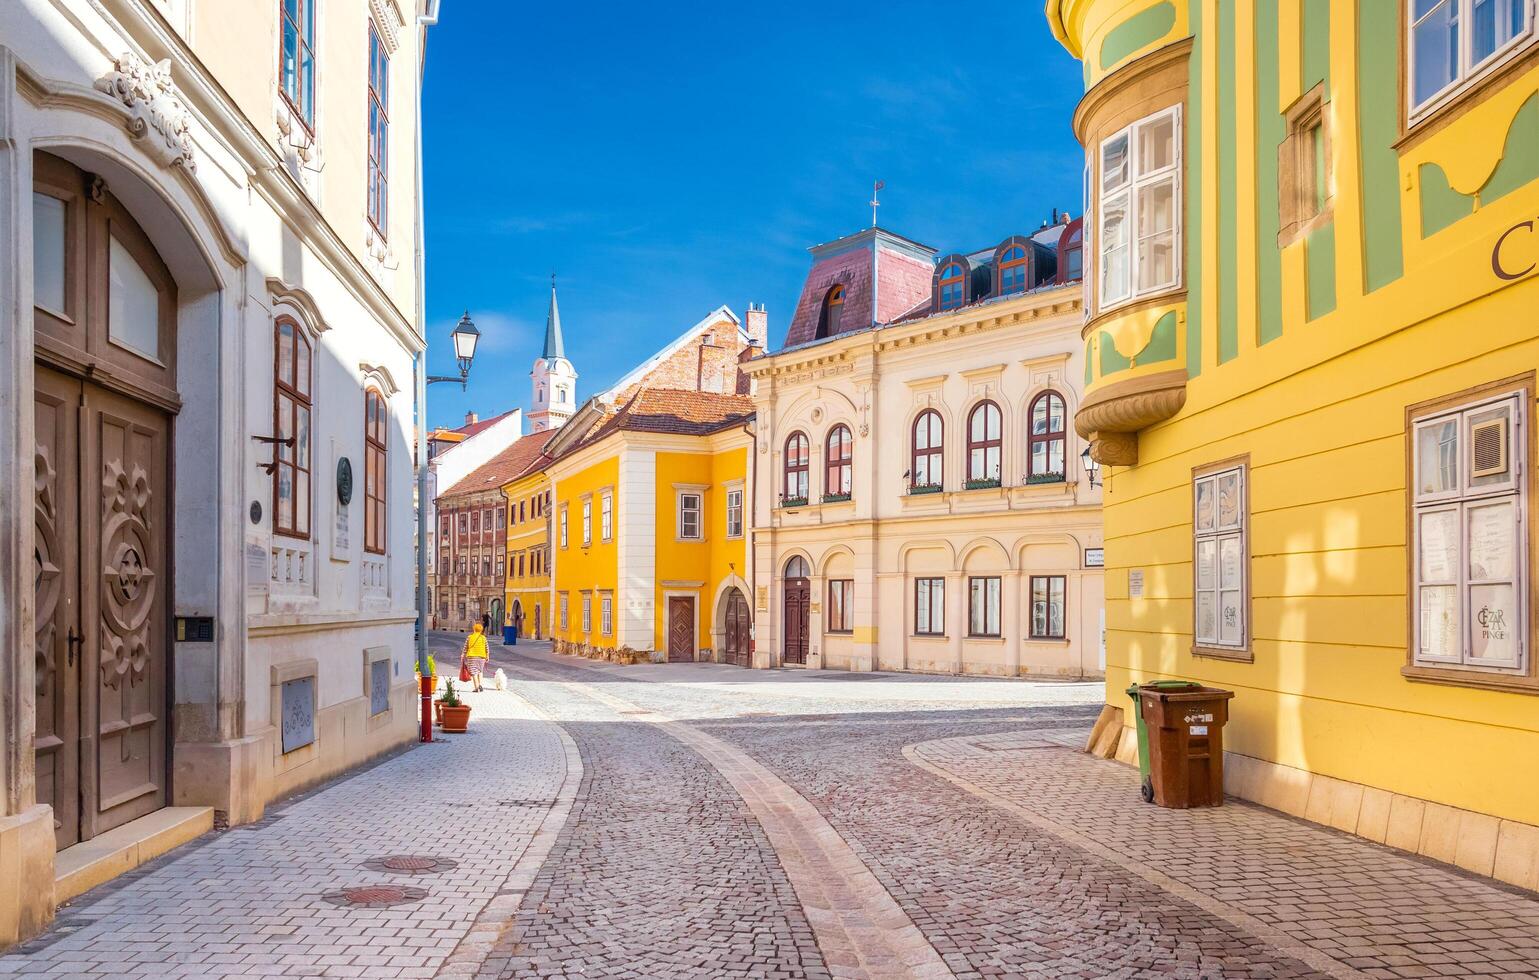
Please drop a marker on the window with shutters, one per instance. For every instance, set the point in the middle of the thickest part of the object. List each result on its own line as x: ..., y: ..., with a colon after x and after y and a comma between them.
x: 1469, y: 574
x: 1221, y: 565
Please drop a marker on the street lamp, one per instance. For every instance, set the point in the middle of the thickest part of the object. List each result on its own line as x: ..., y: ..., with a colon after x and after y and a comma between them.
x: 1092, y: 468
x: 465, y: 336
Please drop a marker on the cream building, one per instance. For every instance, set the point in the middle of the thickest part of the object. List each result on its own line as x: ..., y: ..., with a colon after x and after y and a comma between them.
x: 921, y: 503
x: 208, y: 221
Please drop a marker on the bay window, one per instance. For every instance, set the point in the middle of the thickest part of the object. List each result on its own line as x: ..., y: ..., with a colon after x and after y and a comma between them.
x: 1454, y: 43
x: 1140, y: 209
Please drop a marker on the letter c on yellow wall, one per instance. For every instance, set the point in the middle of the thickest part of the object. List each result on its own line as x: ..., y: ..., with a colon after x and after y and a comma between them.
x: 1496, y: 253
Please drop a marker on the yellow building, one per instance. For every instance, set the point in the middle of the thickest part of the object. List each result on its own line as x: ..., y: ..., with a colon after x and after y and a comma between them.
x: 648, y: 552
x: 528, y: 581
x: 1310, y: 383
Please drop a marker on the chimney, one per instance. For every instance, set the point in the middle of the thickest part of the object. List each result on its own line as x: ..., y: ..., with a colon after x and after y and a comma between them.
x: 470, y: 418
x: 756, y: 321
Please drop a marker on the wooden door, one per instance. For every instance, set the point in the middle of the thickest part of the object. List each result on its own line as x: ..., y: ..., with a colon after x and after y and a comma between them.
x: 738, y: 623
x: 56, y: 509
x: 125, y: 585
x: 798, y: 598
x: 681, y: 629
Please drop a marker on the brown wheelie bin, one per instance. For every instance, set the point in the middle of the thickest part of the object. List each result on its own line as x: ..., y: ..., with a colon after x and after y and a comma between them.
x: 1186, y: 743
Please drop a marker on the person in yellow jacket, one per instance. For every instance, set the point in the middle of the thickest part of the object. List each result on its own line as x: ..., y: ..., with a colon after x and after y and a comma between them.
x: 475, y: 654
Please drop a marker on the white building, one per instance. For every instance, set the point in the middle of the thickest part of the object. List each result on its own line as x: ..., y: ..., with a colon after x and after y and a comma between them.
x: 919, y: 500
x: 207, y: 226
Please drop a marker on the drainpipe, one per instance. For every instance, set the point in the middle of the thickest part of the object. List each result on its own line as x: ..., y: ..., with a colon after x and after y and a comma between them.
x: 424, y: 21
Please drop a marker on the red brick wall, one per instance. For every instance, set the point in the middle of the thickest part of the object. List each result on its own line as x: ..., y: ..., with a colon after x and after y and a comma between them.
x: 707, y: 362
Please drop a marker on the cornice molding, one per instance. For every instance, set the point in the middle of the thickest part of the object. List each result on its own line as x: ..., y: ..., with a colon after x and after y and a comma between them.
x: 381, y: 376
x: 1129, y: 74
x: 281, y: 293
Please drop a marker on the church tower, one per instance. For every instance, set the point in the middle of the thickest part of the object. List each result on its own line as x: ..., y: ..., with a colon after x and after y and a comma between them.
x: 554, y: 379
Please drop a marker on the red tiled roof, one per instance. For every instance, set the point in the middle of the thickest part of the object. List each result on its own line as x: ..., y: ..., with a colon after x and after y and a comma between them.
x: 689, y: 413
x: 524, y: 456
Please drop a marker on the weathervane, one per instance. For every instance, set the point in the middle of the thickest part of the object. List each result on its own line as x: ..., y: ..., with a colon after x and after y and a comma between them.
x: 875, y: 190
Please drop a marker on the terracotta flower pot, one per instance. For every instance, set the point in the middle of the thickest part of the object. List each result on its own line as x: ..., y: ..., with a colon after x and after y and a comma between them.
x: 456, y: 717
x: 438, y: 711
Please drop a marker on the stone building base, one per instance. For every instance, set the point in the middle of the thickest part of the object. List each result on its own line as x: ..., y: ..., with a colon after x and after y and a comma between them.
x: 1507, y: 850
x: 26, y: 873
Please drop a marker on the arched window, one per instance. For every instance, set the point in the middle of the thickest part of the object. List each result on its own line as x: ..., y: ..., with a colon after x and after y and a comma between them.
x: 836, y: 462
x: 291, y: 426
x: 795, y: 490
x: 833, y: 307
x: 983, y: 445
x: 925, y: 473
x: 1013, y: 270
x: 1071, y: 251
x: 953, y: 279
x: 1045, y: 452
x: 796, y: 567
x: 375, y: 447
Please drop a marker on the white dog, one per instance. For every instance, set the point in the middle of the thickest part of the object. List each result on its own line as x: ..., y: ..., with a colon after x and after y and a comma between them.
x: 500, y: 680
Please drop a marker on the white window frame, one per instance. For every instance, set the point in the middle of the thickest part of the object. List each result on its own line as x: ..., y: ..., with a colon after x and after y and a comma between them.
x: 1462, y: 500
x: 606, y: 613
x: 1136, y: 182
x: 587, y: 521
x: 1468, y: 74
x: 735, y: 512
x: 565, y: 611
x: 561, y: 522
x: 607, y: 516
x: 841, y: 613
x: 587, y: 612
x: 684, y: 511
x: 1218, y: 534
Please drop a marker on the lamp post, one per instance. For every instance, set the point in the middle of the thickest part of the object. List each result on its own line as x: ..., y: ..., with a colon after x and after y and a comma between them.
x: 1092, y: 468
x: 465, y: 337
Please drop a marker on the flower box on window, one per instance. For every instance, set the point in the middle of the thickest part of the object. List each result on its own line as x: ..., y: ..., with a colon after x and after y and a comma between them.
x: 1036, y: 478
x: 793, y: 501
x: 920, y: 488
x: 835, y: 498
x: 990, y: 484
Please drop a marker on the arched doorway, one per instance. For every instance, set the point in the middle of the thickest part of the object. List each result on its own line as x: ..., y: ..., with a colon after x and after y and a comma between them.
x: 798, y: 597
x: 517, y: 622
x: 737, y: 621
x: 104, y: 399
x: 495, y: 613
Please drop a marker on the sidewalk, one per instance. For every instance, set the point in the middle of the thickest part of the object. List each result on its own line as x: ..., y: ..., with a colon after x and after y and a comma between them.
x: 1348, y: 907
x: 266, y: 900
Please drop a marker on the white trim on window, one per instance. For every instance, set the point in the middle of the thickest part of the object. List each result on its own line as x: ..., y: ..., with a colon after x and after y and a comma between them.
x: 1468, y: 72
x: 1220, y: 567
x: 1140, y: 182
x: 1469, y: 513
x: 735, y: 512
x: 691, y: 509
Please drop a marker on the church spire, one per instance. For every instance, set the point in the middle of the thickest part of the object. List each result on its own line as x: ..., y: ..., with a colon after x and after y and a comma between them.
x: 553, y: 345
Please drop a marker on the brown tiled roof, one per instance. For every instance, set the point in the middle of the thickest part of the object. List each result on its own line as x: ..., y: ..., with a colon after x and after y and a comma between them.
x: 522, y: 457
x: 689, y: 413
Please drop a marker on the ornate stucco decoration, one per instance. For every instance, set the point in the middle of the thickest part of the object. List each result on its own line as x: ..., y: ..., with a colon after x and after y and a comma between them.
x: 1111, y: 417
x: 156, y: 114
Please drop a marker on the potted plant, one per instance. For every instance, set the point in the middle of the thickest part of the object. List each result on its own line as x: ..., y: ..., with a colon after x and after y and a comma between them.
x: 456, y: 714
x: 438, y: 702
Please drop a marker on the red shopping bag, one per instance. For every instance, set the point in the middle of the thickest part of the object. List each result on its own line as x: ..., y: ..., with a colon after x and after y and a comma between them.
x: 464, y: 671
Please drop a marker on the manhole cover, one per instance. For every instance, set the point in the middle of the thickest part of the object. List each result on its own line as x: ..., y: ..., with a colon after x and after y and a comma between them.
x: 376, y: 896
x: 416, y: 864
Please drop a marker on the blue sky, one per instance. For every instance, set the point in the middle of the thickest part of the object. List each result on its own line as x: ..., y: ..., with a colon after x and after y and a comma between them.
x: 664, y: 159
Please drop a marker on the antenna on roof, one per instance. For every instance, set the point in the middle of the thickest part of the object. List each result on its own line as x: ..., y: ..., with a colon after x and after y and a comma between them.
x: 876, y: 189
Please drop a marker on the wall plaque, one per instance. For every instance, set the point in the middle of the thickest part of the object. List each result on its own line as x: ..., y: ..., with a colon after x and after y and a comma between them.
x: 259, y: 569
x: 298, y: 710
x: 344, y: 481
x: 761, y: 598
x: 1095, y: 558
x: 1135, y: 583
x: 379, y: 687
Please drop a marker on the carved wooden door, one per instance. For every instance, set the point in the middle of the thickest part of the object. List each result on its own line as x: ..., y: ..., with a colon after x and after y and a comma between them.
x: 56, y: 509
x: 101, y: 553
x: 125, y: 582
x: 738, y: 623
x: 681, y: 629
x: 798, y: 598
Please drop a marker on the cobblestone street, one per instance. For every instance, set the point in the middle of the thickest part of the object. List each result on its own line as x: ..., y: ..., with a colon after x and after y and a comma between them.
x: 706, y: 821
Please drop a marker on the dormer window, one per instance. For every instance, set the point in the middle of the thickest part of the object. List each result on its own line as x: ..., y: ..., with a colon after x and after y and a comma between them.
x: 952, y: 286
x: 833, y: 308
x: 1014, y: 270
